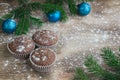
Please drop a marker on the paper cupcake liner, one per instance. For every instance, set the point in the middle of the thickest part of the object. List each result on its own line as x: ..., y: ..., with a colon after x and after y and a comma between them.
x: 42, y: 69
x: 39, y: 68
x: 18, y: 56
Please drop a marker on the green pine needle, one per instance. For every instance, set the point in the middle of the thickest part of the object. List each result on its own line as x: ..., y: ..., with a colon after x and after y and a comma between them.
x: 110, y: 59
x: 36, y: 21
x: 23, y: 25
x: 23, y: 12
x: 93, y: 67
x: 98, y: 71
x: 72, y: 6
x: 50, y: 7
x: 110, y: 76
x: 7, y: 16
x: 46, y: 8
x: 22, y: 2
x: 1, y: 20
x: 80, y: 74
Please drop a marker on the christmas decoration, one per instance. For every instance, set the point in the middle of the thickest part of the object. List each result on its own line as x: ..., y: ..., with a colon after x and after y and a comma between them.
x: 9, y: 26
x: 84, y: 9
x: 25, y: 19
x: 93, y: 67
x: 78, y: 38
x: 54, y: 16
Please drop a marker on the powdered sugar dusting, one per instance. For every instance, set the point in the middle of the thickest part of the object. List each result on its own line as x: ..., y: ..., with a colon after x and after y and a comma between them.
x: 44, y: 58
x: 20, y: 48
x: 78, y: 37
x: 36, y: 58
x: 30, y: 45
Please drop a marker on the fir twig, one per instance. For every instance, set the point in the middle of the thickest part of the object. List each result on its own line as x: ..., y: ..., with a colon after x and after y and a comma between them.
x: 23, y: 12
x: 110, y: 76
x: 110, y: 59
x: 1, y: 20
x: 97, y: 70
x: 7, y: 16
x: 93, y: 67
x: 46, y: 8
x: 22, y: 2
x: 80, y: 74
x: 58, y: 2
x: 36, y: 21
x: 72, y: 6
x: 22, y: 26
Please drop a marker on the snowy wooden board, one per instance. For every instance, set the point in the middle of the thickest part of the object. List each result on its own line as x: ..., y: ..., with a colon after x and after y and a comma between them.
x: 78, y: 37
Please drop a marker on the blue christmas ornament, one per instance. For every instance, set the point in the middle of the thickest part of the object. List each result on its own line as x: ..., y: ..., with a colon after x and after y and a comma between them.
x: 54, y: 16
x: 9, y: 26
x: 84, y: 9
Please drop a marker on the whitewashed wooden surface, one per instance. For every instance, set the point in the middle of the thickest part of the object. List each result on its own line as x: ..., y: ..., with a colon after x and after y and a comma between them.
x: 78, y: 37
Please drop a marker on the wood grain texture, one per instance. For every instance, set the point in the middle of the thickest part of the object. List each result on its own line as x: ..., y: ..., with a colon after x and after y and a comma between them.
x: 78, y: 37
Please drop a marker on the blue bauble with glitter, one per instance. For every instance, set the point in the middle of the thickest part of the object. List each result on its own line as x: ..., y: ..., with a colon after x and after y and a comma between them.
x: 9, y: 26
x: 54, y: 16
x: 84, y: 9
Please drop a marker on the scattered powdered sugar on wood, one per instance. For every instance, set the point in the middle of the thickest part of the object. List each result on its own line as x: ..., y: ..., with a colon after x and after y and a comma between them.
x: 5, y: 63
x: 81, y: 36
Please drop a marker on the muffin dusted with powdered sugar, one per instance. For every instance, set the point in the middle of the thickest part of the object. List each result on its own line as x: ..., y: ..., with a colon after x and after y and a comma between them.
x: 45, y: 38
x: 21, y: 47
x: 42, y: 59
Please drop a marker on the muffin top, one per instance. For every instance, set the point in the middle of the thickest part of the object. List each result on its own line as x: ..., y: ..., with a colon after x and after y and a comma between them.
x: 45, y: 38
x: 22, y: 45
x: 42, y: 56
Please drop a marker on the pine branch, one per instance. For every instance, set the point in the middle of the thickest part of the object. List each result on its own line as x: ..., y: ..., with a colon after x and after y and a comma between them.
x: 110, y: 76
x: 93, y: 67
x: 1, y: 20
x: 22, y: 2
x: 80, y: 75
x: 110, y: 59
x: 97, y: 70
x: 21, y: 12
x: 49, y: 1
x: 7, y: 16
x: 72, y: 6
x: 49, y: 7
x: 36, y: 21
x: 22, y: 26
x: 58, y: 2
x: 46, y: 8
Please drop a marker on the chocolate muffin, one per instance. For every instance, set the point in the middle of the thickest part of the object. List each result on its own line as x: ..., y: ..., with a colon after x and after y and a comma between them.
x: 21, y: 47
x: 45, y: 38
x: 42, y: 59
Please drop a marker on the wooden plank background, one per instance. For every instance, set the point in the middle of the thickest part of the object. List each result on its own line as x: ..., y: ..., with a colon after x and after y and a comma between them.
x: 79, y: 36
